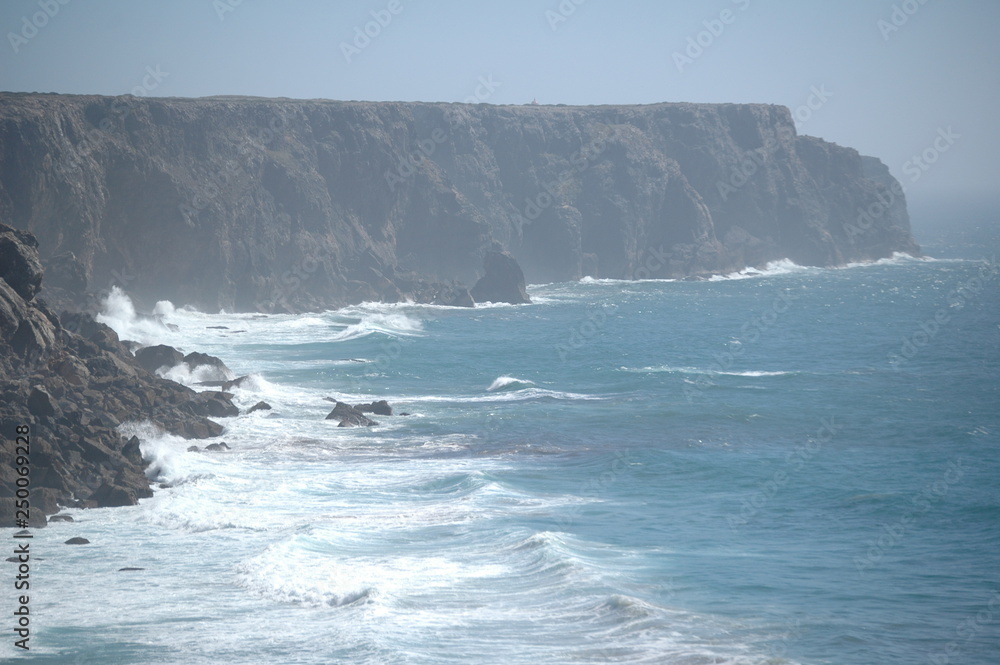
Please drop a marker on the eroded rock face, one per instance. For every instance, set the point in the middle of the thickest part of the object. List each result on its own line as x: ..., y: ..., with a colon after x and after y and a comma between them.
x: 67, y: 384
x: 286, y: 205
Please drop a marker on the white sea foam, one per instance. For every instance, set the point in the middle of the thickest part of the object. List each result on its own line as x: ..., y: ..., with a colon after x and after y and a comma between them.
x: 118, y: 312
x: 293, y: 572
x: 897, y: 258
x: 509, y: 383
x: 753, y: 373
x: 653, y: 369
x: 166, y: 454
x: 522, y: 394
x: 780, y: 267
x: 192, y: 376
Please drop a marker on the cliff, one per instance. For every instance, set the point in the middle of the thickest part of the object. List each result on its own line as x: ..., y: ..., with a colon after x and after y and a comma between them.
x: 279, y: 204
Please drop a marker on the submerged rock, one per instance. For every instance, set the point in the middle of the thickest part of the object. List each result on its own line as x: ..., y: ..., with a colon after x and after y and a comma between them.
x: 77, y: 540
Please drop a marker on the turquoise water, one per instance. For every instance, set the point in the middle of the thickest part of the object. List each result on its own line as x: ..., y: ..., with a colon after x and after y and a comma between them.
x: 785, y: 466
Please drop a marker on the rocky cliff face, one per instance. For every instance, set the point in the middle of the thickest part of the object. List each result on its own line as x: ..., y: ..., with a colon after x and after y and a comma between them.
x: 67, y: 383
x: 261, y: 204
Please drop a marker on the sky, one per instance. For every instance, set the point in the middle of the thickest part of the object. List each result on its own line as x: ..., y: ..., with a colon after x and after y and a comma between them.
x: 913, y: 82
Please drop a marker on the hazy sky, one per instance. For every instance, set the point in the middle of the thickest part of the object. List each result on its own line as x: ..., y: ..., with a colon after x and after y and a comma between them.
x: 892, y: 78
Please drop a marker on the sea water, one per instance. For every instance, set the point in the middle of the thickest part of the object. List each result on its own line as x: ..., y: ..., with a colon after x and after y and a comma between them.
x: 785, y: 465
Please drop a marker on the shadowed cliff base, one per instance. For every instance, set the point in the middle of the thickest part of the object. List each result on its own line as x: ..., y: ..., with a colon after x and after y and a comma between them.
x: 254, y: 204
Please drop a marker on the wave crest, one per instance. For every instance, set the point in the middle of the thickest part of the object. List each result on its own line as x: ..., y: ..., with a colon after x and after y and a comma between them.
x: 502, y: 383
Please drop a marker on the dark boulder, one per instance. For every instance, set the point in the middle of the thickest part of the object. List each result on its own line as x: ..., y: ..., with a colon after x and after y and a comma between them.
x: 192, y: 428
x: 379, y: 408
x: 214, y: 404
x: 218, y: 370
x: 41, y: 403
x: 216, y: 447
x: 46, y: 499
x: 77, y: 540
x: 19, y: 264
x: 128, y: 569
x: 34, y: 337
x: 503, y: 281
x: 193, y: 449
x: 259, y: 406
x: 72, y: 370
x: 349, y: 416
x: 152, y: 358
x: 114, y: 496
x: 132, y: 452
x: 61, y: 518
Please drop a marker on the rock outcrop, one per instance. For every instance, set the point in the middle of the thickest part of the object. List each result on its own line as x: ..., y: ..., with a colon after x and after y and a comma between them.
x: 286, y: 205
x: 503, y: 281
x: 349, y: 416
x: 69, y: 383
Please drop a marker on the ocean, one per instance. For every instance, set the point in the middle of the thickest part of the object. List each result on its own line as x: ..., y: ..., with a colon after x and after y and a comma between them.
x: 785, y: 465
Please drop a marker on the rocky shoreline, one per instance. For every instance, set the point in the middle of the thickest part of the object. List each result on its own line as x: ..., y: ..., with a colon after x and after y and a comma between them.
x: 73, y: 382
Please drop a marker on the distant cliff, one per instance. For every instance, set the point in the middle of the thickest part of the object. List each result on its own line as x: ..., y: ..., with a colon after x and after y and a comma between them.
x: 271, y: 204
